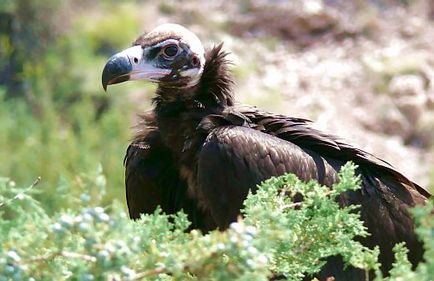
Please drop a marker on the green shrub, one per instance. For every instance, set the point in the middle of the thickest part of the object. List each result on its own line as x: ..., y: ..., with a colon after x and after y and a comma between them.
x: 94, y: 243
x: 59, y: 149
x: 60, y: 124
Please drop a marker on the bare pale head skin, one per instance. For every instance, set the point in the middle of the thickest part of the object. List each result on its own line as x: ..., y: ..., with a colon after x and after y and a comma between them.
x: 170, y: 55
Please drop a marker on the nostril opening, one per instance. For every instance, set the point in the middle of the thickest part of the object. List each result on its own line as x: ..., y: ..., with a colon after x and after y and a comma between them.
x: 195, y: 61
x: 136, y: 60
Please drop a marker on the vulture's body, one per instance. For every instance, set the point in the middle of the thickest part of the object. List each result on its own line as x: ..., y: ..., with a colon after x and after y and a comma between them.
x: 198, y: 151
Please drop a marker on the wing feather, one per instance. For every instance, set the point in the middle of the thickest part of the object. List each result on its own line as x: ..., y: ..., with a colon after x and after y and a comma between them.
x: 152, y: 179
x: 298, y: 131
x: 250, y: 157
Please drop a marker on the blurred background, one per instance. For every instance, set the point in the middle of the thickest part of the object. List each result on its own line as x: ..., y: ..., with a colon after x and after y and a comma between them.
x: 363, y: 70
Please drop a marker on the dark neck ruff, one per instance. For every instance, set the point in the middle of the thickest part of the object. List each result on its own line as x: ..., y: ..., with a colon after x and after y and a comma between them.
x: 213, y: 92
x: 178, y: 111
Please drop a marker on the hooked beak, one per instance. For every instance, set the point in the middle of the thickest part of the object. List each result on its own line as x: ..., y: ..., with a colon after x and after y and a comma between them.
x: 130, y: 64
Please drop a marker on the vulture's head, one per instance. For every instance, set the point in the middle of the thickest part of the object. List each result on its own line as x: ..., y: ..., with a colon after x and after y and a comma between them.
x: 170, y: 55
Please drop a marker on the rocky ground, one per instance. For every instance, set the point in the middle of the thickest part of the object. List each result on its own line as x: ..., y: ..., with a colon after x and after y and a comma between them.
x: 361, y: 71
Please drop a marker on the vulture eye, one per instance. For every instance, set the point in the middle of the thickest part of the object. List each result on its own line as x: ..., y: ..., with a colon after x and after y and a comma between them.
x: 170, y: 51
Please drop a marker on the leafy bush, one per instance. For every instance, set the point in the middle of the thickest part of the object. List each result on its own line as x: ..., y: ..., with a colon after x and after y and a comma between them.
x: 60, y: 124
x: 60, y: 149
x: 276, y: 236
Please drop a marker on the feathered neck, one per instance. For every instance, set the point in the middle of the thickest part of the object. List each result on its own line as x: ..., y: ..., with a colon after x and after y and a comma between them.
x: 214, y: 89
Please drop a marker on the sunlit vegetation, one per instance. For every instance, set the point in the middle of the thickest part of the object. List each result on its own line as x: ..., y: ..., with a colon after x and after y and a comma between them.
x: 63, y: 139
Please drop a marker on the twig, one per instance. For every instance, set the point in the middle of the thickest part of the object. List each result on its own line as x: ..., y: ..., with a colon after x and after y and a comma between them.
x: 17, y: 196
x: 63, y: 254
x: 78, y: 256
x: 44, y: 257
x: 150, y: 273
x: 293, y: 205
x: 327, y: 193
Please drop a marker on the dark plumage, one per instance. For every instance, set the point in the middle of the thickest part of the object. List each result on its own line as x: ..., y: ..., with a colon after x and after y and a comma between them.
x: 199, y: 151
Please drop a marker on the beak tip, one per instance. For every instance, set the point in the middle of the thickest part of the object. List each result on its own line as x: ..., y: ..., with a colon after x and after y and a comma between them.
x: 116, y: 70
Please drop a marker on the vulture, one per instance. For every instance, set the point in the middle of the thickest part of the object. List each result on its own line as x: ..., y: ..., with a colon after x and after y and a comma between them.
x: 200, y: 151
